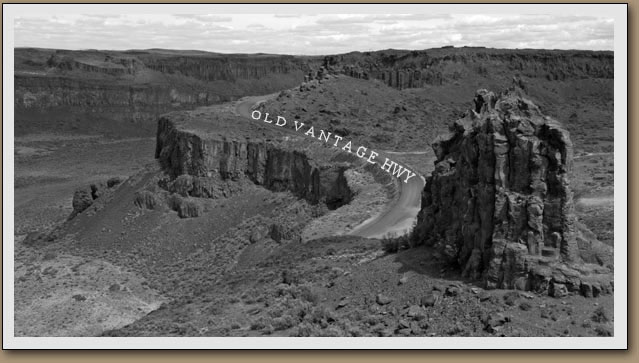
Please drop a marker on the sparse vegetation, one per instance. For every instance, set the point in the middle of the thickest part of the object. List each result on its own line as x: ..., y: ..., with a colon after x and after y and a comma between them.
x: 224, y: 273
x: 600, y: 315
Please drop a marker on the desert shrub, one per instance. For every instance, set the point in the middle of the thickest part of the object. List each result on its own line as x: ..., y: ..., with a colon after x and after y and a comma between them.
x: 113, y: 181
x: 260, y: 323
x: 392, y: 244
x: 319, y: 314
x: 290, y: 277
x: 510, y: 298
x: 372, y: 320
x: 305, y: 330
x: 603, y: 331
x: 600, y: 315
x: 579, y: 192
x: 319, y: 210
x: 333, y: 331
x: 248, y: 298
x: 525, y: 306
x: 276, y: 313
x: 384, y: 138
x: 284, y: 322
x: 356, y: 315
x: 306, y: 293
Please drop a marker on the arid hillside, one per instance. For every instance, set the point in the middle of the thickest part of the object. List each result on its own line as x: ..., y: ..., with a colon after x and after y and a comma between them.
x: 138, y: 166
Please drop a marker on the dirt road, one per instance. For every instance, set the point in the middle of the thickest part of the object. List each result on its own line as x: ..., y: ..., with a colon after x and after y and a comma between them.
x: 398, y: 219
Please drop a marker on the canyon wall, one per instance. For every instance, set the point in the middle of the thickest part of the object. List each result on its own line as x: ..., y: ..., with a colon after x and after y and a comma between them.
x: 124, y: 93
x: 435, y: 67
x: 205, y: 158
x: 499, y: 203
x: 220, y: 67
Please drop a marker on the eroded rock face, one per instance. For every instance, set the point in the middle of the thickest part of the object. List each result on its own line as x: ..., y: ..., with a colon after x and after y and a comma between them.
x: 84, y: 197
x: 415, y: 69
x: 200, y: 163
x: 499, y: 202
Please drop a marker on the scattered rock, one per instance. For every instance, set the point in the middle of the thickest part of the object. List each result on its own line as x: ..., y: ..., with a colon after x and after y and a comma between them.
x: 494, y: 320
x: 258, y: 234
x: 79, y: 297
x: 415, y: 311
x: 403, y: 324
x: 82, y: 200
x: 483, y: 296
x: 452, y: 291
x: 383, y: 299
x: 525, y: 306
x: 510, y: 298
x: 289, y: 277
x: 113, y: 182
x: 428, y: 300
x: 558, y: 290
x: 342, y: 303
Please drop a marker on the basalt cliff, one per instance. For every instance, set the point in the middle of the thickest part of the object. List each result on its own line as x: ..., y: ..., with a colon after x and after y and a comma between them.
x: 196, y: 161
x: 499, y: 203
x: 435, y: 67
x: 123, y: 93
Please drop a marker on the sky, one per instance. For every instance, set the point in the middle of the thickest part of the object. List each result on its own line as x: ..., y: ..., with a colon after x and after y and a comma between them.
x: 312, y: 34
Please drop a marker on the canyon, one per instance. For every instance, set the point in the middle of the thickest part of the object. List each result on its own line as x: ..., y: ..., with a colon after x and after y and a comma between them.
x: 183, y: 149
x: 213, y: 224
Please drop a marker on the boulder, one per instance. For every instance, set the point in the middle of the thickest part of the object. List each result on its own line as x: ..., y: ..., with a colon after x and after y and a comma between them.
x: 82, y: 199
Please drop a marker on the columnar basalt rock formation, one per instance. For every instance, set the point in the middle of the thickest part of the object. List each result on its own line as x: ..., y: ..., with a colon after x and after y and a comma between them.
x: 499, y: 202
x: 433, y: 67
x: 197, y: 161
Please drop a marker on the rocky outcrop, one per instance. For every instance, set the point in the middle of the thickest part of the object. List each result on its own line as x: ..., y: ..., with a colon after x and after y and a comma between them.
x: 199, y: 163
x: 499, y: 202
x: 434, y: 67
x: 84, y: 197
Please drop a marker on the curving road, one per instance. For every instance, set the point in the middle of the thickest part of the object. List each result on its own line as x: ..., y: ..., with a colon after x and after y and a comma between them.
x: 398, y: 219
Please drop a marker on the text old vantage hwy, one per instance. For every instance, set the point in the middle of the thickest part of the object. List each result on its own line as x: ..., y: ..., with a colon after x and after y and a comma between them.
x: 389, y: 166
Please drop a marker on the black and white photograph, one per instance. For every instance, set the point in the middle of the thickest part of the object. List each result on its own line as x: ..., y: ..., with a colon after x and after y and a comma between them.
x: 348, y: 176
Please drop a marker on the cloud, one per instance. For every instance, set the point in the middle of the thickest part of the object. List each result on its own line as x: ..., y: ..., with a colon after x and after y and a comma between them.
x: 312, y: 34
x: 379, y: 18
x: 288, y: 15
x: 207, y: 18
